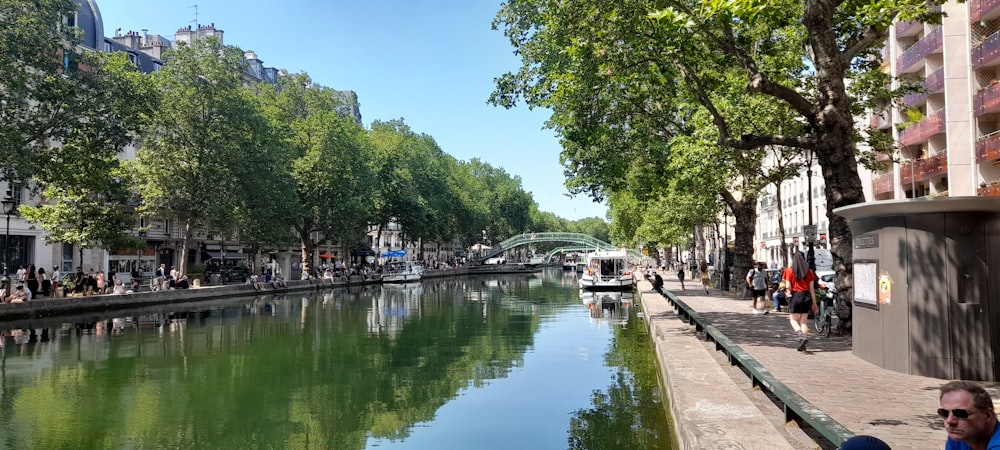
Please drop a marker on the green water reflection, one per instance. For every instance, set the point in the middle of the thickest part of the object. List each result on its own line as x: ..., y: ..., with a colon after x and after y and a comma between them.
x: 509, y: 362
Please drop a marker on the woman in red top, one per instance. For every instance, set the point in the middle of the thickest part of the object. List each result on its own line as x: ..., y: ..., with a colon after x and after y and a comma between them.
x: 800, y: 279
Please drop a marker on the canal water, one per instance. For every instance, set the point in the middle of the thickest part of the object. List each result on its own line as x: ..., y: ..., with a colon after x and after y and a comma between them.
x: 505, y: 362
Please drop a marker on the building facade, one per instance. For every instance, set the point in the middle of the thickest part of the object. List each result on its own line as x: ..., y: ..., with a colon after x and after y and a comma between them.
x: 26, y: 244
x: 947, y: 136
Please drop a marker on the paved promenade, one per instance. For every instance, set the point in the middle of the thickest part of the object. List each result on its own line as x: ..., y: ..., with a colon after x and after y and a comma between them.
x: 713, y: 411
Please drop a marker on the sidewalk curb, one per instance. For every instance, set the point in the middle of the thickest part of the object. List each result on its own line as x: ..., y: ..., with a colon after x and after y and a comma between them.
x: 709, y: 410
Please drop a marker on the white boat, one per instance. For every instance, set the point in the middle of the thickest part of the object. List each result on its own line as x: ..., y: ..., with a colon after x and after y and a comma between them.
x: 608, y: 270
x: 400, y: 271
x: 569, y: 263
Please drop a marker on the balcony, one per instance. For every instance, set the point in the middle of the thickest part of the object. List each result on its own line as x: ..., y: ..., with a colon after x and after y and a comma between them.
x: 990, y: 190
x: 922, y: 131
x: 933, y: 166
x: 932, y: 85
x: 983, y: 10
x: 907, y: 29
x: 988, y: 148
x: 910, y: 60
x: 987, y: 53
x: 882, y: 184
x: 987, y: 100
x: 878, y: 120
x: 906, y: 173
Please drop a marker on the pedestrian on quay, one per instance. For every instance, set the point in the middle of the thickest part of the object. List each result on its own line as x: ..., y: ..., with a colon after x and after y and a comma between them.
x: 800, y: 279
x: 703, y: 271
x: 680, y: 275
x: 46, y: 284
x: 31, y: 281
x: 102, y: 283
x: 757, y: 282
x: 969, y: 418
x: 657, y: 283
x: 55, y: 276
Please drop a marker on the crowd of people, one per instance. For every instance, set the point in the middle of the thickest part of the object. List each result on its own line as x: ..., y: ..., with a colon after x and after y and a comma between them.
x: 29, y: 283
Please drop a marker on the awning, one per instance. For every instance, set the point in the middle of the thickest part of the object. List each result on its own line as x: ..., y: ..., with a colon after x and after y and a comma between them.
x: 230, y: 256
x: 394, y: 254
x: 363, y: 252
x: 326, y: 255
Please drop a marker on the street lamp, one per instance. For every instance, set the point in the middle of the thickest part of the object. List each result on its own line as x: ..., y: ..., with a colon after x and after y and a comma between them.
x: 724, y: 284
x: 8, y: 209
x: 811, y: 231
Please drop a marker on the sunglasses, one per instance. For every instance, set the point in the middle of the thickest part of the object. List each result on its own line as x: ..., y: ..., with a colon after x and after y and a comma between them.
x: 958, y: 413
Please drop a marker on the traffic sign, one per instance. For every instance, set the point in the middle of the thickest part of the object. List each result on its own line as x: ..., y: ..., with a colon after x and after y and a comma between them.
x: 810, y: 232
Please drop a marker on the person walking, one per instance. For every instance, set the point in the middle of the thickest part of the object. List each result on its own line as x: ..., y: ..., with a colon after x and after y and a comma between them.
x: 757, y: 282
x: 703, y: 271
x: 800, y: 280
x: 680, y: 275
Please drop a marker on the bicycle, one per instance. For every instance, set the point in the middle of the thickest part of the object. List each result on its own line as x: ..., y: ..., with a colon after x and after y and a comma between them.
x: 828, y: 318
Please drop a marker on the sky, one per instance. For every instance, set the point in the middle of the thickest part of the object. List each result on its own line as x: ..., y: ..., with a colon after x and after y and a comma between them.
x: 429, y: 62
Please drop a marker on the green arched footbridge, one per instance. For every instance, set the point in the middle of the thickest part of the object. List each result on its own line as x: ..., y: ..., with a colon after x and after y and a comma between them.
x: 578, y: 243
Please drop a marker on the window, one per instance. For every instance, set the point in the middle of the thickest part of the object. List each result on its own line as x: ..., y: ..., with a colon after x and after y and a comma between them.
x: 67, y: 259
x: 16, y: 192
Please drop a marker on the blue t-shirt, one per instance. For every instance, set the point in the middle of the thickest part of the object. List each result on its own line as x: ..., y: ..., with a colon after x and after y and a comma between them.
x: 993, y: 445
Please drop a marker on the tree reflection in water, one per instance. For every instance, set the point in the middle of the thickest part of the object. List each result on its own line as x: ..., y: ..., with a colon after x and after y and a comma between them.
x: 632, y: 413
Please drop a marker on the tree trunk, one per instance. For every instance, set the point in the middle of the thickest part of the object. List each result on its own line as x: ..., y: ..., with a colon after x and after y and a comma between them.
x: 745, y: 215
x: 699, y: 244
x: 842, y: 188
x: 833, y: 125
x: 306, y: 247
x: 781, y: 227
x: 188, y: 237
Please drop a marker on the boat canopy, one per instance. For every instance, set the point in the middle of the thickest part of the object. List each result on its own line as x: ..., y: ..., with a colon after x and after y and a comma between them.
x: 394, y: 254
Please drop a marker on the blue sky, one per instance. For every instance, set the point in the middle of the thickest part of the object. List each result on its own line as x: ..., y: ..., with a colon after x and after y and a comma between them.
x: 431, y: 63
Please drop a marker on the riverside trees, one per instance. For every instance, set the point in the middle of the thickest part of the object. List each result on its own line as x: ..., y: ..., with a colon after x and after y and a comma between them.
x: 625, y: 79
x: 207, y: 145
x: 65, y: 115
x: 218, y: 154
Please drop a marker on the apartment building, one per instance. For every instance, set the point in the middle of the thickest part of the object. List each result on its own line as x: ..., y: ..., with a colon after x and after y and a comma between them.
x: 948, y: 137
x: 26, y: 244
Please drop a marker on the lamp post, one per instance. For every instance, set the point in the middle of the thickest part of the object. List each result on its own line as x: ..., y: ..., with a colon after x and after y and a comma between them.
x: 8, y: 208
x: 811, y: 235
x: 724, y: 284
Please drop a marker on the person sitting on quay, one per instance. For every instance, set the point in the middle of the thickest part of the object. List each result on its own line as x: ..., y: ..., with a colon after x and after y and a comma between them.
x: 119, y: 288
x: 254, y: 282
x: 969, y: 417
x: 19, y: 295
x: 278, y: 281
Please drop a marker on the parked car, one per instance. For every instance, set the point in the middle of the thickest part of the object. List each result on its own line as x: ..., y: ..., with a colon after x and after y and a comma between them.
x: 230, y: 274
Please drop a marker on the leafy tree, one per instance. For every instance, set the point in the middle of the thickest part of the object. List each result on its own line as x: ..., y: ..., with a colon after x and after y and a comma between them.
x: 85, y: 186
x: 326, y: 197
x: 41, y: 102
x: 592, y: 226
x: 206, y: 145
x: 611, y: 73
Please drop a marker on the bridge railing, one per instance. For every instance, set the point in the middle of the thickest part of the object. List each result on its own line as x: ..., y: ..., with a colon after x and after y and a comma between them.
x: 585, y: 243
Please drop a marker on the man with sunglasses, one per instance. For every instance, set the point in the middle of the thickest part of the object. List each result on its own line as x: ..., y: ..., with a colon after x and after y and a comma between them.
x: 969, y: 419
